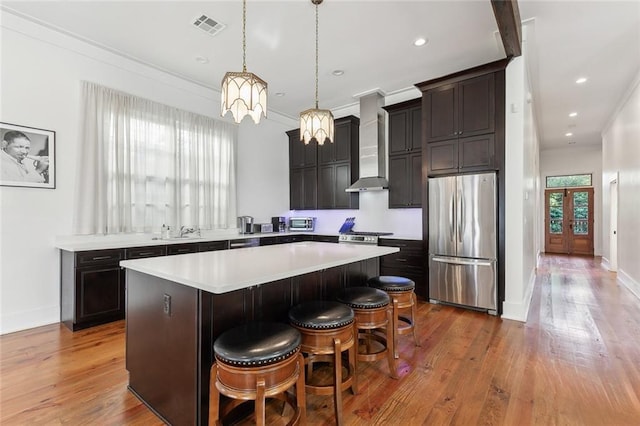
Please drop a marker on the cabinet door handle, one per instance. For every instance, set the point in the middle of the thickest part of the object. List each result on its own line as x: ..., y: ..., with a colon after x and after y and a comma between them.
x: 401, y: 260
x: 146, y: 253
x: 101, y: 257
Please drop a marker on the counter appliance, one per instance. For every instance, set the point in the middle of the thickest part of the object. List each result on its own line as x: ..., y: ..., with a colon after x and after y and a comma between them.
x: 262, y: 228
x: 302, y: 223
x: 245, y: 224
x: 462, y: 240
x: 279, y: 223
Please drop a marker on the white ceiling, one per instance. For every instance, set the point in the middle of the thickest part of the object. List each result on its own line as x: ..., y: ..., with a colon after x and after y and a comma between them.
x: 372, y: 42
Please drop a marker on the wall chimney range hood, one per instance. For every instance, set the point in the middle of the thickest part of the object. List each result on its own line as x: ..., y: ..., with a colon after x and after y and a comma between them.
x: 372, y: 144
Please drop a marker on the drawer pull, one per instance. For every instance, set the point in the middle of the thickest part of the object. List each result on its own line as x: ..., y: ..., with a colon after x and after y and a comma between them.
x: 101, y: 257
x: 146, y: 253
x: 401, y: 260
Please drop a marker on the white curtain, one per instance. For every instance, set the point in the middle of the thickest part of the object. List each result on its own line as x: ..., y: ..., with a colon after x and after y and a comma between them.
x: 143, y: 164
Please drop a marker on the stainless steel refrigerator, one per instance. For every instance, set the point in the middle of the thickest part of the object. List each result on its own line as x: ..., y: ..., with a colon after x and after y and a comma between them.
x: 462, y: 240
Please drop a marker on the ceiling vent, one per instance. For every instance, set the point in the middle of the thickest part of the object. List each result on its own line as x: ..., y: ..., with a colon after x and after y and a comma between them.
x: 209, y: 25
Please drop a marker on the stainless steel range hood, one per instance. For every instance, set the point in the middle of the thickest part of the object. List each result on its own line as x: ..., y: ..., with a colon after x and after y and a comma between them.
x: 372, y: 145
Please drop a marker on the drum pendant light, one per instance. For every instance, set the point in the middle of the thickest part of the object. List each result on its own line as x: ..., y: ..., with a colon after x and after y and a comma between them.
x: 244, y: 93
x: 316, y: 123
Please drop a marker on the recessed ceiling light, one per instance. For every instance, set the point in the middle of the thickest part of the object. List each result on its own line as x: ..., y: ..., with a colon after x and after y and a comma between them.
x: 573, y: 114
x: 568, y: 134
x: 202, y: 60
x: 581, y: 80
x: 280, y: 94
x: 420, y: 41
x: 337, y: 73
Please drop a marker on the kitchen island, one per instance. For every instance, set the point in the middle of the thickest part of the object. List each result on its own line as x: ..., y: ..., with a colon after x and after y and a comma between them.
x: 176, y: 306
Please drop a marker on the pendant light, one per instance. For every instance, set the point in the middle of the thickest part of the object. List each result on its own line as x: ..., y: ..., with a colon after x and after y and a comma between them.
x: 244, y: 93
x: 316, y: 123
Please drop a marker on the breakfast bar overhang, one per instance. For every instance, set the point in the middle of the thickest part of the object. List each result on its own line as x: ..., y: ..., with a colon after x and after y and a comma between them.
x: 177, y: 305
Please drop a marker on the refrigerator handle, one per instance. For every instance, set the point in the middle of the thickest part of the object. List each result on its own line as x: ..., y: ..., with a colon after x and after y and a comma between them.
x: 451, y: 219
x: 457, y: 261
x: 459, y: 214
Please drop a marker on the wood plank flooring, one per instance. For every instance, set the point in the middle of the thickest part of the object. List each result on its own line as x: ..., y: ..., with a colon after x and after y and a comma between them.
x: 575, y: 362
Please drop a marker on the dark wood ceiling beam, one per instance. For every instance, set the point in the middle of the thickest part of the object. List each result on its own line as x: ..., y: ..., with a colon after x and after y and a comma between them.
x: 508, y: 20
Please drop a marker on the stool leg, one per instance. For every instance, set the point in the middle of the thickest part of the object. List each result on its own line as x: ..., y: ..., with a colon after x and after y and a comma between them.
x: 353, y: 360
x: 390, y: 345
x: 414, y: 315
x: 337, y: 379
x: 214, y: 396
x: 396, y: 321
x: 260, y: 403
x: 301, y: 401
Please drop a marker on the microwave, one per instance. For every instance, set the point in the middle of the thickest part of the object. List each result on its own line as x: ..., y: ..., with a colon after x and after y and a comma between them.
x: 302, y: 223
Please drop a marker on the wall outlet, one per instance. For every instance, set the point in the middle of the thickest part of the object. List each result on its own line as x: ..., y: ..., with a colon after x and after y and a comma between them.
x: 167, y: 304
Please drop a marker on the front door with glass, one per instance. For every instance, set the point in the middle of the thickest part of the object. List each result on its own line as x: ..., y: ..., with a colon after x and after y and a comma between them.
x: 569, y: 221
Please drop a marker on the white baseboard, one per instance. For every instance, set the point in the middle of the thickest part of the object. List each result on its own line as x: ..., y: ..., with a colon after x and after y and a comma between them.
x: 605, y: 263
x: 519, y: 311
x: 630, y: 283
x: 10, y: 323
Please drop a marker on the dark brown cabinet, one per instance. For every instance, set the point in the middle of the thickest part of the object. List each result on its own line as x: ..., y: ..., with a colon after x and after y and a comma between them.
x: 92, y: 288
x: 462, y: 155
x: 213, y: 245
x: 319, y: 174
x: 465, y: 108
x: 409, y: 262
x: 460, y: 119
x: 405, y: 154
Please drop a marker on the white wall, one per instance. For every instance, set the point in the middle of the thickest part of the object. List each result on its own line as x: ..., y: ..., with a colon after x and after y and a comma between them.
x: 521, y: 174
x: 575, y: 160
x: 621, y: 157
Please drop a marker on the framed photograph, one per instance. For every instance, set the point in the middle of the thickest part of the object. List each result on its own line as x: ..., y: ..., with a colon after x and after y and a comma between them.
x: 28, y: 156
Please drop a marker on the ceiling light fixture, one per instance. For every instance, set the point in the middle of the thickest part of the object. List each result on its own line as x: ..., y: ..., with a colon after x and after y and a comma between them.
x: 568, y: 134
x: 202, y: 60
x: 581, y: 80
x: 420, y: 42
x: 338, y: 73
x: 316, y: 123
x: 573, y: 114
x: 244, y: 93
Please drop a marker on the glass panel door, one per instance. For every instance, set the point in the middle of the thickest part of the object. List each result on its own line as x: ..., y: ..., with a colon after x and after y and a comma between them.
x: 569, y: 221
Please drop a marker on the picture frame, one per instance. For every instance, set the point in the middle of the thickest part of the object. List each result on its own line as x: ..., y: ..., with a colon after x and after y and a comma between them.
x: 27, y: 156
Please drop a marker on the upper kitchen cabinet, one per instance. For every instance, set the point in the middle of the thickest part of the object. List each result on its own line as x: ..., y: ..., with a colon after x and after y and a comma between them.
x: 338, y: 166
x: 319, y: 174
x: 301, y: 155
x: 405, y: 154
x: 405, y: 127
x: 345, y: 144
x: 303, y: 173
x: 460, y: 109
x: 464, y: 118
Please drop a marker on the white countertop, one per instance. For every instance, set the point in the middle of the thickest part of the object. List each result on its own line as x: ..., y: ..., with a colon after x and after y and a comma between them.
x: 75, y: 243
x: 227, y: 270
x: 103, y: 242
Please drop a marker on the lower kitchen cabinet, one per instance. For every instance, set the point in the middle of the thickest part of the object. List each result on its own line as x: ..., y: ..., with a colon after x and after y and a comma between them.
x: 92, y: 288
x: 409, y: 262
x: 182, y: 248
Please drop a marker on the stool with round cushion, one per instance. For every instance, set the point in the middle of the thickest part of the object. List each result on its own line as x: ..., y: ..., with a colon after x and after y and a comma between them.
x: 403, y: 297
x: 257, y: 361
x: 374, y: 323
x: 327, y: 330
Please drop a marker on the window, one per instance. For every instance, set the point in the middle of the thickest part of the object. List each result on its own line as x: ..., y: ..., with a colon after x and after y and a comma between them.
x: 144, y: 164
x: 569, y: 181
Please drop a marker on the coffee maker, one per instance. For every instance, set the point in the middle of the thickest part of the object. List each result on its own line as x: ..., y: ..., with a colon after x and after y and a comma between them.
x: 245, y: 224
x: 279, y: 223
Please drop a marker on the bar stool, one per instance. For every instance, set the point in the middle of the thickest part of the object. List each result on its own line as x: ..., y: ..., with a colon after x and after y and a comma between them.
x: 327, y: 330
x: 257, y: 361
x: 403, y: 297
x: 374, y: 323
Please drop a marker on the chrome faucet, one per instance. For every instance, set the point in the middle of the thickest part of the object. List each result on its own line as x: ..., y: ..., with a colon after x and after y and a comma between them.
x: 185, y: 230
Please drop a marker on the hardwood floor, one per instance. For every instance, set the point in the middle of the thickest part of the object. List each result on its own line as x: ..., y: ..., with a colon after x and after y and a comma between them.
x: 575, y: 361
